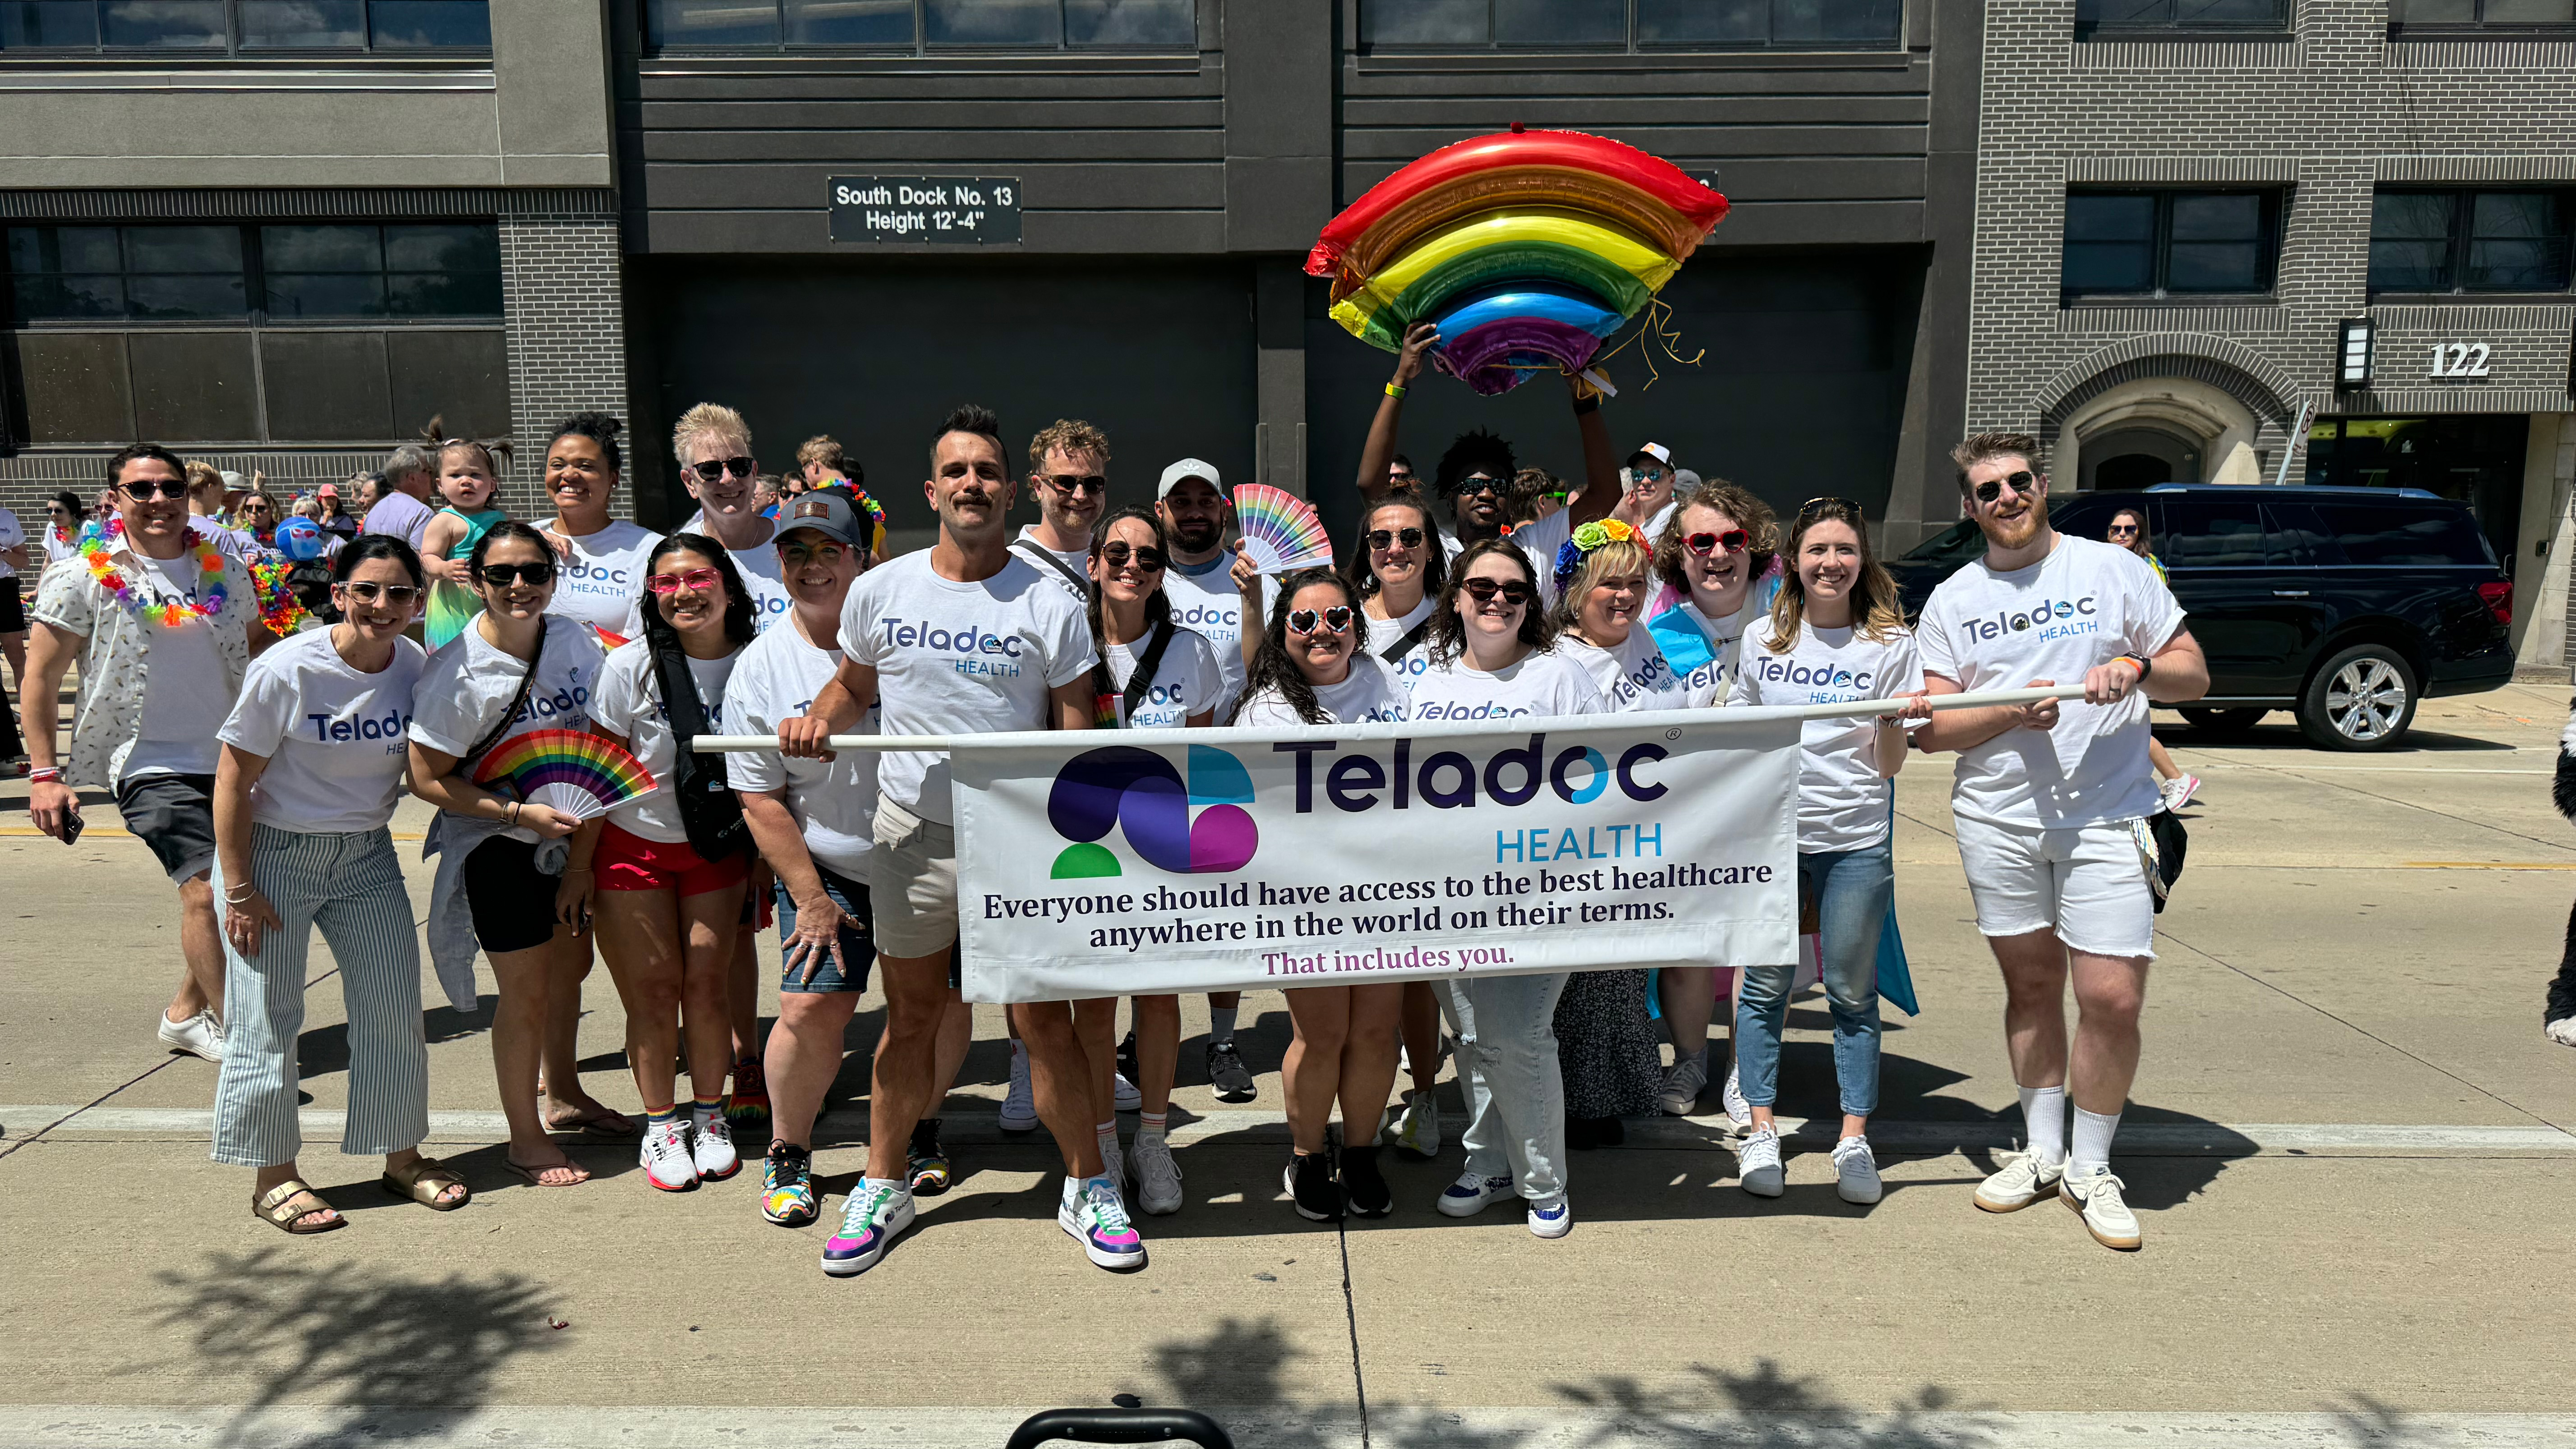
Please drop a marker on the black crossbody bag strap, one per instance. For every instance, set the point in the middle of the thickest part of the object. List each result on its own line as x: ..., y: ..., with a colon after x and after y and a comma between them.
x: 518, y: 701
x: 1146, y: 663
x: 1037, y: 555
x: 1412, y: 637
x: 709, y: 810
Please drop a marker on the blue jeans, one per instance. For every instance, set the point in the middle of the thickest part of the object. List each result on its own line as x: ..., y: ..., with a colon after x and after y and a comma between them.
x: 1851, y: 889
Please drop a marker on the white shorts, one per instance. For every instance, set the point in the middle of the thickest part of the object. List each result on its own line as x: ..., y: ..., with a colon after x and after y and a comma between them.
x: 2087, y: 882
x: 912, y: 883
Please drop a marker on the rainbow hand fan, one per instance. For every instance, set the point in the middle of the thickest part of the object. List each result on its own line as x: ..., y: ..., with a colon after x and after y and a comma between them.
x: 1281, y: 530
x: 573, y: 771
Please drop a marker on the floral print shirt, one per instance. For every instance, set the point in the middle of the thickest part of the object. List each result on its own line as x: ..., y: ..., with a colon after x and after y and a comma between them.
x: 109, y: 715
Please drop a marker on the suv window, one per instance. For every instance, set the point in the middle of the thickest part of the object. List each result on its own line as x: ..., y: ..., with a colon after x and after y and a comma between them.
x: 2297, y: 535
x: 2397, y: 533
x: 1963, y: 541
x: 2211, y: 533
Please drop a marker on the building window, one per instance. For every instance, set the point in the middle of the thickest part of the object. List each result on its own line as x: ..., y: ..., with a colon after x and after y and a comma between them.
x: 2480, y: 17
x: 247, y: 27
x: 2470, y: 241
x: 915, y: 26
x: 1630, y: 25
x: 2166, y: 244
x: 2177, y: 19
x: 295, y: 272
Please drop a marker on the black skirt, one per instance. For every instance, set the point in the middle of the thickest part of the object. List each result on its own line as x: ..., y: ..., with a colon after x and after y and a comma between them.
x: 1607, y: 1045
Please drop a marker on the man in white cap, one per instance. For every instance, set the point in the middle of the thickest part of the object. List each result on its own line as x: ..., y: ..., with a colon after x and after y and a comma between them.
x: 1646, y: 491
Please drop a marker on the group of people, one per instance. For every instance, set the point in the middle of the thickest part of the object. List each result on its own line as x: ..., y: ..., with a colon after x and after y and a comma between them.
x: 262, y: 765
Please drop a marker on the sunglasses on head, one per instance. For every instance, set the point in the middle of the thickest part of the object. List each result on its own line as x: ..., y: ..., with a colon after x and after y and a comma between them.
x: 1733, y: 540
x: 1083, y: 483
x: 1147, y: 557
x: 1336, y: 620
x: 1386, y: 538
x: 506, y: 575
x: 1483, y: 591
x: 699, y: 579
x: 2022, y: 483
x: 398, y: 595
x: 715, y: 468
x: 1827, y: 505
x: 142, y: 489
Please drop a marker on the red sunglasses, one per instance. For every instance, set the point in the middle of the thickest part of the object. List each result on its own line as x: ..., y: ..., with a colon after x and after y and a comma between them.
x: 1731, y: 541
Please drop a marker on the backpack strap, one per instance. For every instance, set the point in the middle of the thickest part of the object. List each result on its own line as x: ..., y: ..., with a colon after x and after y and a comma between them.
x: 1037, y: 555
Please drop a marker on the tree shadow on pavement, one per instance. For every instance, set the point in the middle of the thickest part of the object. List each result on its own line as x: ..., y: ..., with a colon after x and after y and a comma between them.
x: 354, y: 1344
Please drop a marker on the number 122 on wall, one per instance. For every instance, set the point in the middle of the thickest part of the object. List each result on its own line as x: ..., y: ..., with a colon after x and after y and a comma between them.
x: 2459, y: 359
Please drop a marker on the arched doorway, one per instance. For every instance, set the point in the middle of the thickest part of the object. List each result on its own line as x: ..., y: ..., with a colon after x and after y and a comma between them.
x: 2139, y: 457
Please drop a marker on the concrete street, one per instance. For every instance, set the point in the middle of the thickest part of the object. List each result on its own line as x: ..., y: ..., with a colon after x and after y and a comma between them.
x: 2350, y: 1149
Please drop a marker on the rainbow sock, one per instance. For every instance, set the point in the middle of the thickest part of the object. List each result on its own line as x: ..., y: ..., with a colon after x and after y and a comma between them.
x: 661, y: 1116
x: 706, y: 1106
x: 1150, y: 1124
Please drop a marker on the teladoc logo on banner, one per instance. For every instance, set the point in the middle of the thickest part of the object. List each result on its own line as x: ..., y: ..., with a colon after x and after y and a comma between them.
x: 1363, y: 854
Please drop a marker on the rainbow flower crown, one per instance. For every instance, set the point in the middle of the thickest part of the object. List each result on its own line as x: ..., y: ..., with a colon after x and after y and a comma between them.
x: 1587, y: 540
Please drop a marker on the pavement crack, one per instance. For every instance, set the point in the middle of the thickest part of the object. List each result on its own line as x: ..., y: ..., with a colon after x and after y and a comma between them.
x: 76, y: 1111
x: 2293, y: 773
x: 1351, y: 1319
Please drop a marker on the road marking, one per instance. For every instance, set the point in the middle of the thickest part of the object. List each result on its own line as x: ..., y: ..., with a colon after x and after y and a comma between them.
x: 2146, y: 1139
x: 657, y: 1426
x: 2361, y: 769
x: 2488, y: 865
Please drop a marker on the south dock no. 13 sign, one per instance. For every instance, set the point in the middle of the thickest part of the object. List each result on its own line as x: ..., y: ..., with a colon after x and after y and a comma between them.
x: 926, y: 210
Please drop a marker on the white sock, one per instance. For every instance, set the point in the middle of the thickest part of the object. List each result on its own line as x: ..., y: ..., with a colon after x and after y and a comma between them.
x: 1221, y: 1024
x: 2093, y: 1132
x: 1107, y: 1132
x: 2043, y: 1114
x: 898, y: 1184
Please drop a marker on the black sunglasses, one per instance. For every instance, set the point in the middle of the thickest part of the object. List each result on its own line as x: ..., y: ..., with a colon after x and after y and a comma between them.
x: 1336, y: 619
x: 1085, y: 483
x: 144, y: 488
x: 505, y: 575
x: 2023, y: 484
x: 1147, y: 557
x: 1820, y: 505
x: 1514, y: 593
x: 715, y: 468
x: 1382, y: 538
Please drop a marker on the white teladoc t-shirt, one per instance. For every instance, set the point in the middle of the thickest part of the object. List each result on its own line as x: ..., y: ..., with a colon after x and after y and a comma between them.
x: 1366, y: 695
x: 630, y: 702
x: 1710, y: 683
x: 1541, y: 685
x: 1383, y: 634
x: 602, y: 583
x: 959, y: 658
x: 1078, y: 560
x: 1186, y: 681
x: 185, y: 694
x: 1633, y: 676
x: 770, y: 601
x: 469, y: 683
x: 2085, y: 604
x: 1842, y: 801
x: 777, y: 678
x: 1205, y: 600
x: 334, y: 738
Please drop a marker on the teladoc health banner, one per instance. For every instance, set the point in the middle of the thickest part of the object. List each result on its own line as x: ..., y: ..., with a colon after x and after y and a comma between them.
x: 1123, y: 864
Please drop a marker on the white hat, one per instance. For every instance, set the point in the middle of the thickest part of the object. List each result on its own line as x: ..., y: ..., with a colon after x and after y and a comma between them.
x: 1186, y: 469
x: 1656, y: 451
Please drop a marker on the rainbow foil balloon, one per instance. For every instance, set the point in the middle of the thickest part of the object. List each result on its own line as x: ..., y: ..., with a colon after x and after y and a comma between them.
x: 1527, y: 249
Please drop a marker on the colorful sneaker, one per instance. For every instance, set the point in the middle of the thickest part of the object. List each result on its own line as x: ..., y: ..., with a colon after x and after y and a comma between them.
x: 1096, y: 1218
x: 199, y: 1036
x: 1554, y: 1220
x: 1227, y: 1073
x: 2021, y: 1181
x: 1310, y: 1184
x: 926, y: 1160
x: 787, y: 1186
x: 877, y: 1213
x: 1158, y: 1177
x: 1020, y: 1104
x: 2098, y: 1201
x: 711, y: 1145
x: 1739, y: 1113
x: 747, y: 1109
x: 1856, y: 1172
x: 1683, y: 1082
x: 1417, y: 1130
x: 1758, y: 1165
x: 1472, y: 1193
x: 667, y: 1161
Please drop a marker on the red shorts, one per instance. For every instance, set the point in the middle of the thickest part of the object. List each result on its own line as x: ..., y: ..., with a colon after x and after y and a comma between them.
x: 628, y: 862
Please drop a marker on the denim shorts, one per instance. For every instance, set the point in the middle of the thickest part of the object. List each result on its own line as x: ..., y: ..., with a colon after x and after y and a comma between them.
x: 858, y: 941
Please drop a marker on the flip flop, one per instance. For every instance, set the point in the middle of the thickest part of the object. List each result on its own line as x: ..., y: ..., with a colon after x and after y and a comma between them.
x: 602, y: 1123
x: 530, y: 1173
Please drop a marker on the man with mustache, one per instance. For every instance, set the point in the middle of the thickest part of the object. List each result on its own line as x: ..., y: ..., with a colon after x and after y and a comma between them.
x: 964, y: 637
x: 2051, y: 804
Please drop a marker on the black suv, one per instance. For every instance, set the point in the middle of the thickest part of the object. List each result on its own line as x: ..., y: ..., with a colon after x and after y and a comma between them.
x: 2345, y: 605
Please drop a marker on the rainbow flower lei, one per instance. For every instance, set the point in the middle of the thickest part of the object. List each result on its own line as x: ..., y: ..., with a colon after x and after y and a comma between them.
x: 210, y: 568
x: 279, y: 608
x: 1591, y: 536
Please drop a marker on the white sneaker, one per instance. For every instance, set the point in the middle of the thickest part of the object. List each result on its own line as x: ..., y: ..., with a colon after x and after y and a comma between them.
x: 1552, y: 1221
x: 1739, y: 1112
x: 2178, y: 791
x: 1020, y: 1104
x: 1417, y: 1130
x: 199, y: 1036
x: 668, y: 1163
x: 1472, y: 1193
x: 2021, y: 1181
x: 1123, y: 1093
x: 2562, y: 1031
x: 1683, y: 1082
x: 2097, y: 1200
x: 1113, y: 1164
x: 1757, y: 1163
x: 1856, y: 1171
x: 1158, y: 1177
x: 711, y: 1145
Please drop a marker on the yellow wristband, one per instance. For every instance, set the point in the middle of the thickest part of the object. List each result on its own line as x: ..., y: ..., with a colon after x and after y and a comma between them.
x: 1394, y: 390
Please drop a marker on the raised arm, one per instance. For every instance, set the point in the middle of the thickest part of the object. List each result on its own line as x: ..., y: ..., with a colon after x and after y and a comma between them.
x: 1379, y: 451
x: 1600, y: 465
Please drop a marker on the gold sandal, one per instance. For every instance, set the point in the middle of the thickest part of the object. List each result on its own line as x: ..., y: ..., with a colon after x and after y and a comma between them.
x: 423, y: 1181
x: 278, y: 1207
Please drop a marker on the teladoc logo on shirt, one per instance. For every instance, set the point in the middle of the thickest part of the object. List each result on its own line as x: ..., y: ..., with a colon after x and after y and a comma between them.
x: 1772, y: 669
x: 972, y: 650
x: 2054, y: 618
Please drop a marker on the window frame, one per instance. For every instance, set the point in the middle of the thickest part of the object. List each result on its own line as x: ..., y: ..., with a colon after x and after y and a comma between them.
x: 232, y: 50
x: 2284, y: 28
x: 255, y: 278
x: 919, y: 46
x: 2462, y: 234
x: 2400, y: 28
x: 1630, y: 44
x: 2275, y: 202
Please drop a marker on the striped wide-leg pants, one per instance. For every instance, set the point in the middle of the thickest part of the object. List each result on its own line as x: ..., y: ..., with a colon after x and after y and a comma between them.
x: 352, y: 887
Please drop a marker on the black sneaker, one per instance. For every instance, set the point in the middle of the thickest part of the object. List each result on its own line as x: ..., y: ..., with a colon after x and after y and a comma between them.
x: 926, y: 1160
x: 1227, y: 1073
x: 1362, y: 1186
x: 1127, y: 1059
x: 1310, y: 1182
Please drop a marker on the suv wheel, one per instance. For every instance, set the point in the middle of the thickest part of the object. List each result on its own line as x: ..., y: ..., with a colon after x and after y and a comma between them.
x: 2362, y: 699
x: 2224, y: 721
